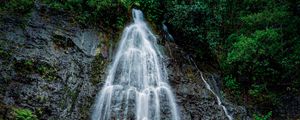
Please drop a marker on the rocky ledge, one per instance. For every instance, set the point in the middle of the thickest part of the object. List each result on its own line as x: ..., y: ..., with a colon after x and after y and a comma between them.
x: 195, y: 101
x: 49, y: 65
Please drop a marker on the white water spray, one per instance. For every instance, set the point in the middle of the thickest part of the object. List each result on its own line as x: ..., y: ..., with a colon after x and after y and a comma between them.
x: 209, y: 88
x: 168, y: 36
x: 136, y: 86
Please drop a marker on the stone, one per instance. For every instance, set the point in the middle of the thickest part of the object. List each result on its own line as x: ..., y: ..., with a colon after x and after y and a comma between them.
x: 69, y: 49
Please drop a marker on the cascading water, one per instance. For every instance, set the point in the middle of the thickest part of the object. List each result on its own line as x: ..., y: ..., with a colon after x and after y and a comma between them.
x: 136, y: 86
x: 209, y: 88
x: 168, y: 36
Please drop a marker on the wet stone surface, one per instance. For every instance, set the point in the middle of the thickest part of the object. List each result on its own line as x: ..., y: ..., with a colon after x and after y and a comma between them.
x: 48, y: 68
x: 195, y: 102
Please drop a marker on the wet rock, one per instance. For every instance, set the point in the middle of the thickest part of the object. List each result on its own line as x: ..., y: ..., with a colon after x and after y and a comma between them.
x: 87, y: 41
x: 194, y: 100
x: 56, y: 68
x: 49, y: 69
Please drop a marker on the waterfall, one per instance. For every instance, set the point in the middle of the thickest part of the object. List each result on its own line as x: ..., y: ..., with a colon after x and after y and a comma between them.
x: 167, y: 35
x: 209, y: 88
x: 136, y: 86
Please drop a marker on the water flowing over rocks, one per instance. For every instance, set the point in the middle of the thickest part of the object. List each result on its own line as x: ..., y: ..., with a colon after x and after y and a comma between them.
x: 136, y: 86
x: 195, y: 101
x: 55, y: 68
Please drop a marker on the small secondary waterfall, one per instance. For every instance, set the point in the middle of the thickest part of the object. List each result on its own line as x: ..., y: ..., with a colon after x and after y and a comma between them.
x: 136, y: 86
x: 168, y: 36
x: 209, y: 88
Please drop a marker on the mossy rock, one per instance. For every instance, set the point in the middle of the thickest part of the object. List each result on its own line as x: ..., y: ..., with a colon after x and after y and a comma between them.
x: 98, y: 68
x: 31, y: 66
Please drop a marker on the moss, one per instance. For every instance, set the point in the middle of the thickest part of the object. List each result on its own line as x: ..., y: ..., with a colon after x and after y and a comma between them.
x: 5, y: 54
x: 62, y: 103
x: 39, y: 112
x: 73, y: 94
x: 48, y: 72
x: 5, y: 111
x: 31, y: 66
x: 41, y: 98
x: 70, y: 94
x: 62, y: 42
x: 98, y: 66
x: 108, y: 42
x: 99, y: 62
x: 85, y: 109
x: 5, y: 51
x: 24, y: 66
x: 191, y: 74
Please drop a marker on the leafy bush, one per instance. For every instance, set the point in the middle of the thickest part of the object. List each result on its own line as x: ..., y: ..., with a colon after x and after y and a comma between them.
x: 231, y: 82
x: 256, y: 90
x: 19, y: 6
x: 24, y: 114
x: 251, y: 61
x: 263, y: 53
x: 264, y: 117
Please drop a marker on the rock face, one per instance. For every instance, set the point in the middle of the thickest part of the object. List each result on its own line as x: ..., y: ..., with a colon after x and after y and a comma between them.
x: 194, y: 100
x: 46, y: 65
x: 54, y: 68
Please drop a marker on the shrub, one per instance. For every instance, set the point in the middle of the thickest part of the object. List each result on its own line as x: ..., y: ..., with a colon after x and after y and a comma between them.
x: 19, y: 6
x: 24, y: 114
x: 263, y: 117
x: 231, y: 82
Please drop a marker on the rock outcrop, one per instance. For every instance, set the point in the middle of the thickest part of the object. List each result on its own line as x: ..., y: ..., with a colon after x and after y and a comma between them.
x: 195, y: 101
x: 46, y: 65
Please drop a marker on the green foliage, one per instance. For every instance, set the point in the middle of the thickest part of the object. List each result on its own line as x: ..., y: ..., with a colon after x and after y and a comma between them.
x: 28, y: 63
x: 24, y: 114
x: 263, y: 117
x: 129, y: 3
x: 196, y: 25
x: 19, y: 6
x: 72, y: 5
x: 25, y: 67
x: 152, y: 9
x: 231, y: 82
x: 253, y: 54
x: 265, y: 18
x: 100, y: 5
x: 5, y: 54
x: 97, y: 69
x: 262, y: 54
x: 106, y: 13
x: 256, y: 90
